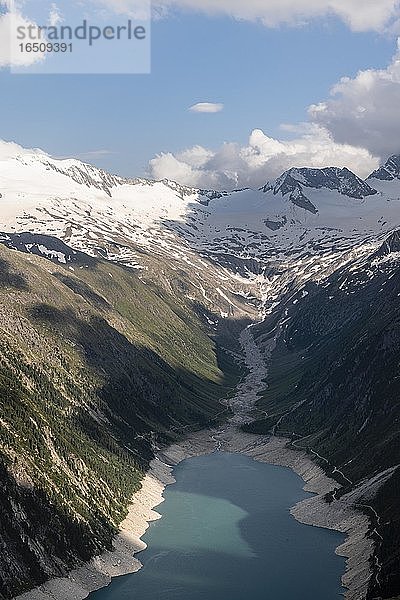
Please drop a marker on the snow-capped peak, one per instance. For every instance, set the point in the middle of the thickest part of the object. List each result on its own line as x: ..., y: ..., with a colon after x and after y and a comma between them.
x: 389, y: 171
x: 332, y: 178
x: 391, y: 245
x: 304, y: 212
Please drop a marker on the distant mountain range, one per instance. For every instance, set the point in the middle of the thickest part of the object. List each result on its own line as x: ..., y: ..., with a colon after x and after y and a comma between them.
x: 122, y: 303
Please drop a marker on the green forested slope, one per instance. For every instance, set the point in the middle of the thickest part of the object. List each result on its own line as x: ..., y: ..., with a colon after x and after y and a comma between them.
x: 95, y: 365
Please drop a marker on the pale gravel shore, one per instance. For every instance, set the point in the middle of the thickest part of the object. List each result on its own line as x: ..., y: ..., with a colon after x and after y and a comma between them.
x: 100, y: 570
x: 338, y: 515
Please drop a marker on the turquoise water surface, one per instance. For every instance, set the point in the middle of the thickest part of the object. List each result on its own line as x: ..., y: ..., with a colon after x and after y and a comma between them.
x: 227, y: 534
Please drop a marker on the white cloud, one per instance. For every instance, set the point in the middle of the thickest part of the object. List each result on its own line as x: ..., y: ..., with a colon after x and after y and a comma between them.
x: 375, y: 15
x: 10, y: 53
x: 55, y: 17
x: 358, y: 127
x: 207, y: 107
x: 263, y: 158
x: 135, y: 9
x: 365, y: 111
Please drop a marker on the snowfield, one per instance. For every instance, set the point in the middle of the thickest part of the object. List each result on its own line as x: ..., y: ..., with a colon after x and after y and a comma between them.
x: 306, y: 222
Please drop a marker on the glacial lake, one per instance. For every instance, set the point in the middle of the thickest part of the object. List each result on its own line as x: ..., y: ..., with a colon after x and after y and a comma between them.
x: 227, y: 534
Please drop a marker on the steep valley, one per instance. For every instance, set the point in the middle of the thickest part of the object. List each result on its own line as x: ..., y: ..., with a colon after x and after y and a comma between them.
x: 126, y: 307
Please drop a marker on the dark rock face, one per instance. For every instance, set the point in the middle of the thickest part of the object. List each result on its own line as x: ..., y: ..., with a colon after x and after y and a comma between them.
x: 335, y: 388
x: 392, y: 244
x: 294, y: 181
x: 275, y: 225
x: 389, y: 171
x: 46, y: 542
x: 331, y: 178
x: 46, y: 246
x: 299, y: 199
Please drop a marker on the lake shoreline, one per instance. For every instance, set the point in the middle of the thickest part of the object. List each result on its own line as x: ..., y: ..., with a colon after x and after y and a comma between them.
x: 339, y: 515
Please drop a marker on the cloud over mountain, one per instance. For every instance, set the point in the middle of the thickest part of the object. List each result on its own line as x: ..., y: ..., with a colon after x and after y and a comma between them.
x: 364, y: 111
x: 357, y: 127
x: 234, y: 166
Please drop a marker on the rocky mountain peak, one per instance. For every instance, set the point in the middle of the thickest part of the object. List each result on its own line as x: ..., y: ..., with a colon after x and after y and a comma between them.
x: 332, y: 178
x: 389, y: 171
x: 390, y: 246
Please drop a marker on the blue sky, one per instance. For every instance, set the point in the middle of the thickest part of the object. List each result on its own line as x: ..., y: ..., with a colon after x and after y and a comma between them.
x: 263, y: 76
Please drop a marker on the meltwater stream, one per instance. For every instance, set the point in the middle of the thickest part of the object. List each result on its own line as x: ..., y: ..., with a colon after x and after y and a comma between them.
x: 227, y: 534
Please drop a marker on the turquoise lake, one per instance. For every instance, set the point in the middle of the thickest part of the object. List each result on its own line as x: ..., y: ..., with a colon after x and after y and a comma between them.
x: 227, y: 534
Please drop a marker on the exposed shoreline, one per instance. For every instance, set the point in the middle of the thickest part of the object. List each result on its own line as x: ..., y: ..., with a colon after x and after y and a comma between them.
x: 338, y: 515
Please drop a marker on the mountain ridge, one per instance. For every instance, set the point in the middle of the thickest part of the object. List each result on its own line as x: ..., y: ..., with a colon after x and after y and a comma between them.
x: 310, y: 176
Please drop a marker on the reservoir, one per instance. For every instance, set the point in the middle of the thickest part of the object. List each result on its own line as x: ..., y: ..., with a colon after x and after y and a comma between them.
x: 227, y: 534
